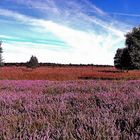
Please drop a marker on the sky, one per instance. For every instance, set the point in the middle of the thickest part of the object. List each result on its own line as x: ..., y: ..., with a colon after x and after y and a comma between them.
x: 66, y: 31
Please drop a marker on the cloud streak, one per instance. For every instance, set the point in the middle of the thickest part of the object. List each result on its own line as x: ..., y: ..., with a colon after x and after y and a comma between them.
x: 90, y: 37
x: 125, y: 14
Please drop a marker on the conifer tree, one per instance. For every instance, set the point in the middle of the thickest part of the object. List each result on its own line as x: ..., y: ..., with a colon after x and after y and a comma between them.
x: 1, y: 51
x: 33, y: 62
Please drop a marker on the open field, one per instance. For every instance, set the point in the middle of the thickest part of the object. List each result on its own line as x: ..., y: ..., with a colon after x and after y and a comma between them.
x: 66, y: 73
x: 69, y: 110
x: 61, y: 103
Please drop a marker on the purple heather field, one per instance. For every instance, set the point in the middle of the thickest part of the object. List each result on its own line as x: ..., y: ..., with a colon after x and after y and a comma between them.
x: 69, y: 110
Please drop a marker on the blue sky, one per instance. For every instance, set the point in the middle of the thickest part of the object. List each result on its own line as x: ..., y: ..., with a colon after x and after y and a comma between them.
x: 66, y: 31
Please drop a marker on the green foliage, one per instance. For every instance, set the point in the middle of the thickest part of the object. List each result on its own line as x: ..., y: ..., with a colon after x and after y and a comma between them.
x: 122, y: 59
x: 133, y: 45
x: 117, y: 59
x: 33, y: 62
x: 1, y: 51
x: 129, y: 57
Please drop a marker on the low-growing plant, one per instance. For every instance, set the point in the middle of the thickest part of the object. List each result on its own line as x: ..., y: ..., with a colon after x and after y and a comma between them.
x: 83, y: 110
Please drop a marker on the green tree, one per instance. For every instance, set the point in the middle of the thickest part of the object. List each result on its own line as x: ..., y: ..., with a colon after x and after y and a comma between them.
x: 133, y: 44
x: 129, y: 57
x: 117, y: 59
x: 33, y: 62
x: 1, y: 51
x: 122, y: 59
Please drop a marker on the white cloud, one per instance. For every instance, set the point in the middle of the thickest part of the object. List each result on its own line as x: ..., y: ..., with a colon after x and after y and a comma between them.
x: 125, y: 14
x: 5, y: 36
x: 19, y: 53
x: 87, y: 46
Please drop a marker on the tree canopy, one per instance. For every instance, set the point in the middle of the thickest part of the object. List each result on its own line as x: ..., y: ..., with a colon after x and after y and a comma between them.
x: 129, y: 57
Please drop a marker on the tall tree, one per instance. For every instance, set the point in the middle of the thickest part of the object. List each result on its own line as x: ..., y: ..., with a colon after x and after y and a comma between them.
x: 1, y: 51
x: 117, y: 59
x: 133, y: 44
x: 129, y: 57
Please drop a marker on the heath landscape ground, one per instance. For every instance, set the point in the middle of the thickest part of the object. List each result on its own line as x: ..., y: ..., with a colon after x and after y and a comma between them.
x: 67, y: 73
x: 59, y: 105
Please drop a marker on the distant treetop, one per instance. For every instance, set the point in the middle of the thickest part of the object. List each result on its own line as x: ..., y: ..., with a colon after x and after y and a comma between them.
x: 33, y: 62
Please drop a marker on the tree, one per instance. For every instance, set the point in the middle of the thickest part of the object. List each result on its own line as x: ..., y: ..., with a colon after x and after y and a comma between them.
x: 122, y: 59
x: 33, y: 62
x: 129, y: 57
x: 126, y: 60
x: 133, y: 45
x: 1, y: 51
x: 117, y: 59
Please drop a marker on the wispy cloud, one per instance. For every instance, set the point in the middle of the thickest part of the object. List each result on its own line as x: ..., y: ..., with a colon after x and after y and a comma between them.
x: 17, y: 16
x: 125, y: 14
x: 5, y: 37
x: 90, y: 36
x: 71, y: 12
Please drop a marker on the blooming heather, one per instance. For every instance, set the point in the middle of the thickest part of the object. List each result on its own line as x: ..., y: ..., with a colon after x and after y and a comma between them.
x: 69, y: 110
